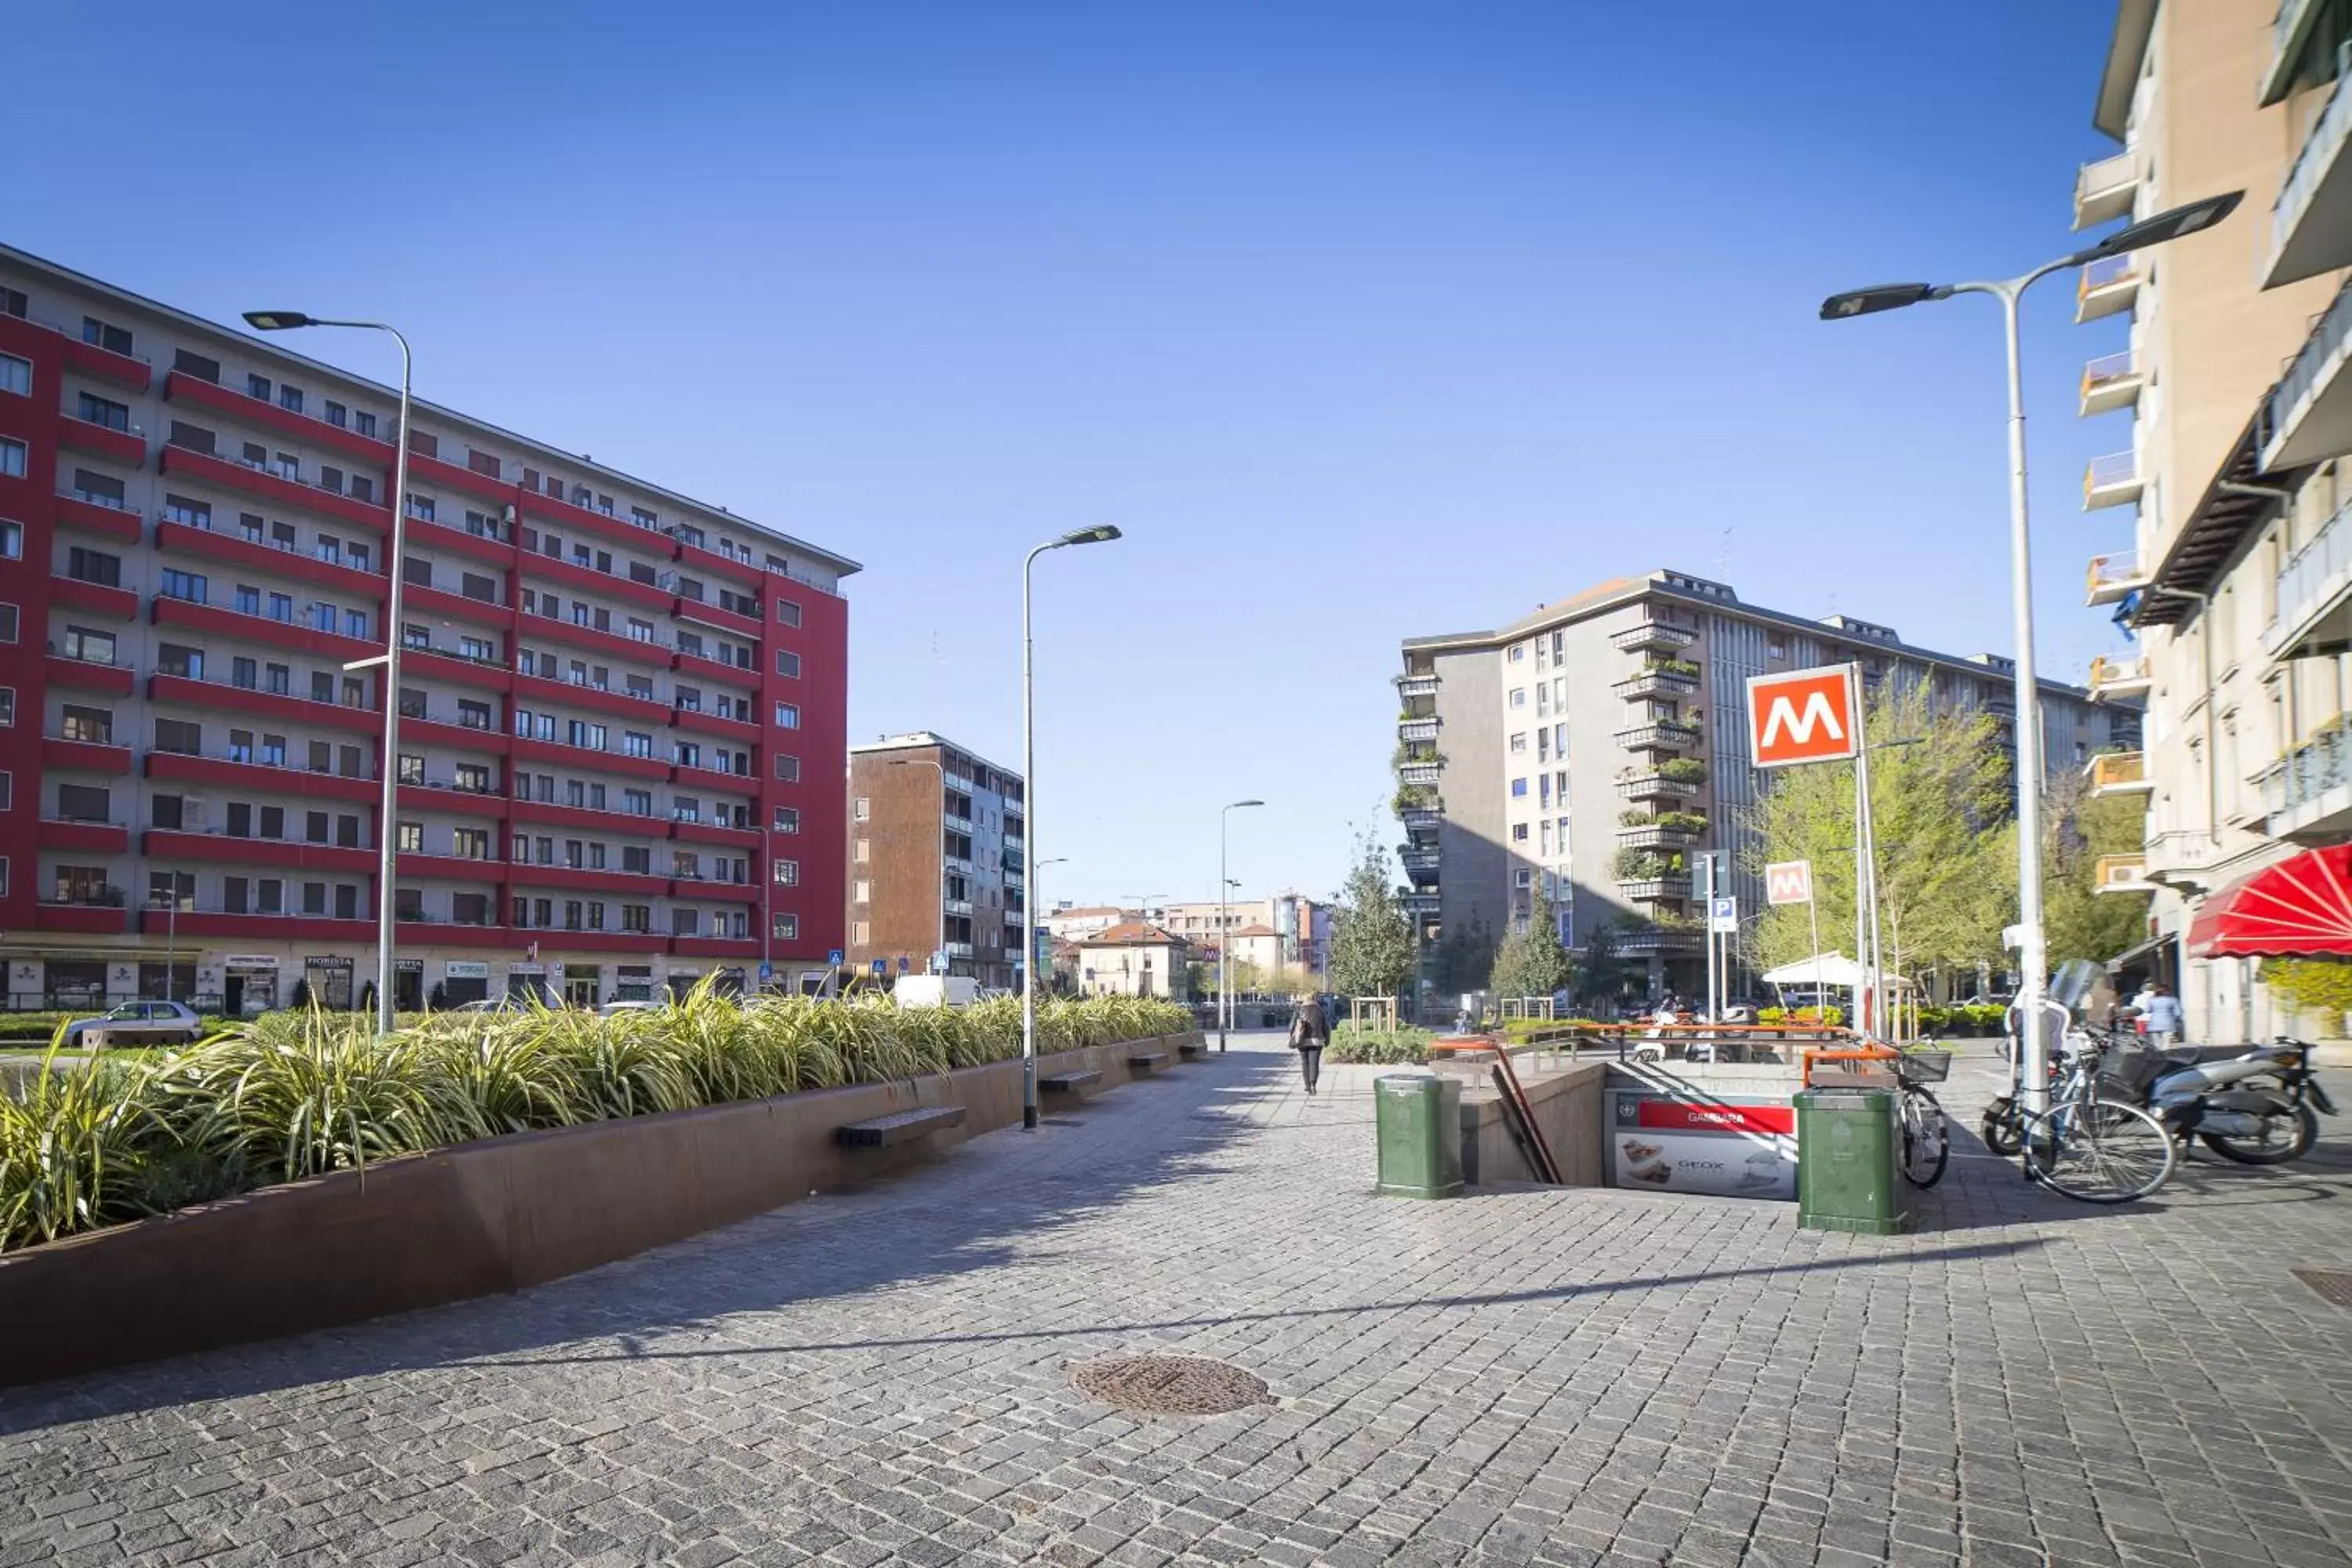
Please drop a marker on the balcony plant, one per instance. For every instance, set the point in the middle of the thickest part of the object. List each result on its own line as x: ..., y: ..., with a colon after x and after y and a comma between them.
x: 1661, y: 665
x: 1683, y: 821
x: 1682, y: 770
x: 1634, y: 816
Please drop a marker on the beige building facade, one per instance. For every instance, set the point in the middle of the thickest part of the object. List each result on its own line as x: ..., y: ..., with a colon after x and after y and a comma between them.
x: 2228, y: 364
x: 1132, y: 958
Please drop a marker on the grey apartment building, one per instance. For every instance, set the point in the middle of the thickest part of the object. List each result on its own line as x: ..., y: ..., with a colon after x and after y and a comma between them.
x: 1521, y: 747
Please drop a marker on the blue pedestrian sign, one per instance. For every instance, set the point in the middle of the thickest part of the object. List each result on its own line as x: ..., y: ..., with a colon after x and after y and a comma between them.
x: 881, y: 966
x: 833, y: 958
x: 767, y: 971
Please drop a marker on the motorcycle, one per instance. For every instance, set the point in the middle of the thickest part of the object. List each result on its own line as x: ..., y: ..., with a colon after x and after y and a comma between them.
x: 2257, y: 1105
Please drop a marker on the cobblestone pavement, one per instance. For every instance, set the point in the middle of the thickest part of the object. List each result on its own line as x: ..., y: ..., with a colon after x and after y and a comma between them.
x: 1519, y: 1377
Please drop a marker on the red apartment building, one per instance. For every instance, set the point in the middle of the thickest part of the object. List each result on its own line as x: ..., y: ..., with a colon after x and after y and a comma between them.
x: 622, y: 712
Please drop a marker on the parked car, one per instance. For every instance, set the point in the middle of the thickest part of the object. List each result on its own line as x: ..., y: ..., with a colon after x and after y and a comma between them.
x: 611, y: 1009
x: 141, y: 1024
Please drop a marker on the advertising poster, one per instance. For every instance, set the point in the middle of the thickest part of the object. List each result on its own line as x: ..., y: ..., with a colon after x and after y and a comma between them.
x: 1732, y: 1147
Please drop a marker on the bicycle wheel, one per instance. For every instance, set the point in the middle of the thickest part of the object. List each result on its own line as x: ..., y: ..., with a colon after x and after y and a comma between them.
x: 1999, y: 1129
x: 1927, y: 1140
x: 2098, y: 1152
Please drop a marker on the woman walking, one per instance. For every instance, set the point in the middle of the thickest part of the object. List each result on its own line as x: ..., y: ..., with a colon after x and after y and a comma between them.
x: 1310, y: 1033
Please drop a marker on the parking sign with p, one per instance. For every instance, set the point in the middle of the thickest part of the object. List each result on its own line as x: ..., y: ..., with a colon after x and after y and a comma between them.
x: 1804, y: 716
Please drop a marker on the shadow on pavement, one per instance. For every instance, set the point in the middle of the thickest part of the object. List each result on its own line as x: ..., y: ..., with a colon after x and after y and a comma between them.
x: 943, y: 1219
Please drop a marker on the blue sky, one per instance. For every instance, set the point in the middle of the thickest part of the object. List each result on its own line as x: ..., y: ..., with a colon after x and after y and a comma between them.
x: 1362, y: 319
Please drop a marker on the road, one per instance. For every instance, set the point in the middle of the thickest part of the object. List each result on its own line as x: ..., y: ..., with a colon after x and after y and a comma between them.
x: 1520, y: 1377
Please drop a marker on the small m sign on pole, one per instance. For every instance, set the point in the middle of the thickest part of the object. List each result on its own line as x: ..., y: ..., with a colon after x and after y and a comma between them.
x: 1788, y: 882
x: 1804, y: 716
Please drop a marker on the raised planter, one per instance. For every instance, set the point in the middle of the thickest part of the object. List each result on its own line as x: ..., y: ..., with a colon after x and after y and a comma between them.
x: 473, y: 1220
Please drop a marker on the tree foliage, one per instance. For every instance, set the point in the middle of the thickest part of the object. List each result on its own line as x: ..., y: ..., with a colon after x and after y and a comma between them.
x: 1371, y: 940
x: 1465, y: 959
x: 1534, y: 961
x: 2079, y: 921
x: 1946, y: 870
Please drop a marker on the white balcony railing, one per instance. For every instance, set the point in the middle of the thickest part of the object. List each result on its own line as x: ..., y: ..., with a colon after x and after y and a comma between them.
x: 2315, y: 577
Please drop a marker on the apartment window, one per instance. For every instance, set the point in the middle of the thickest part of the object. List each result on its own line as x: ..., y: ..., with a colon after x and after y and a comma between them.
x: 788, y: 664
x: 633, y: 744
x: 788, y: 716
x: 94, y: 725
x: 113, y: 339
x: 179, y: 736
x: 411, y: 703
x: 1519, y: 652
x: 411, y: 769
x: 1519, y: 742
x: 98, y: 647
x: 281, y: 609
x: 636, y: 917
x: 258, y: 386
x: 482, y: 462
x: 92, y: 567
x: 364, y: 423
x: 197, y: 365
x: 787, y: 819
x: 337, y: 414
x: 473, y: 715
x: 1518, y: 696
x: 858, y: 934
x: 421, y: 508
x: 290, y: 399
x: 7, y: 705
x: 474, y: 776
x: 860, y: 810
x: 17, y: 376
x: 188, y: 585
x: 12, y: 465
x: 643, y: 518
x: 322, y: 687
x: 1518, y: 787
x: 786, y: 928
x: 788, y: 769
x: 348, y: 763
x: 787, y: 613
x: 787, y: 873
x: 473, y: 843
x: 83, y: 803
x: 638, y: 802
x: 93, y: 409
x: 1519, y: 835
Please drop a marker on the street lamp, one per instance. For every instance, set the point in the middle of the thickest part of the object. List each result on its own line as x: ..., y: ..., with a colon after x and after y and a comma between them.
x: 938, y: 949
x: 2033, y: 957
x: 1225, y: 921
x: 387, y: 835
x: 1102, y: 535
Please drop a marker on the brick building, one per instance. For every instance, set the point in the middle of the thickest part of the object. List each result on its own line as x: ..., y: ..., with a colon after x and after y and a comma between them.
x: 622, y: 710
x: 936, y: 869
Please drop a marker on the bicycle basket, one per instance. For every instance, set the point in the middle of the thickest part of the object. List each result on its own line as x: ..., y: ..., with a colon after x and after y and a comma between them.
x: 1925, y: 1067
x: 2131, y: 1070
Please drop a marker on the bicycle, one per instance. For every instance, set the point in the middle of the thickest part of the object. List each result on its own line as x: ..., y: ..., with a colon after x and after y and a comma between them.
x: 2083, y: 1146
x: 1926, y: 1135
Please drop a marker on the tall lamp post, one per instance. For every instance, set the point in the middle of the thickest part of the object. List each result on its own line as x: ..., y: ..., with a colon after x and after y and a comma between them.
x: 1102, y: 535
x: 938, y: 947
x: 1225, y: 920
x: 2032, y: 954
x: 385, y: 831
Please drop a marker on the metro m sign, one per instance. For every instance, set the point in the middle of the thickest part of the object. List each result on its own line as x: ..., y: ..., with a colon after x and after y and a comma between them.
x: 1788, y: 882
x: 1805, y: 716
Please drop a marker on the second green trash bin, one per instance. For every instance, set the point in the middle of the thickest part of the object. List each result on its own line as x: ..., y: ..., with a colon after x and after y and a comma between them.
x: 1845, y: 1162
x: 1420, y: 1118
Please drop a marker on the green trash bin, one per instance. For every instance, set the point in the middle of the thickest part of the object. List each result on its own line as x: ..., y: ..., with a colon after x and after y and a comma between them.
x: 1846, y: 1178
x: 1420, y: 1119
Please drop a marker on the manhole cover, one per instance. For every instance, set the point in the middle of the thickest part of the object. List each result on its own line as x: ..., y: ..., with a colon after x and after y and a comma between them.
x: 2333, y: 1284
x: 1173, y: 1385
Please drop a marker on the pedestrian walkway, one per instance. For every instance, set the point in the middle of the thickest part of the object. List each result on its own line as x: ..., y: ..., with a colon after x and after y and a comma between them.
x: 1523, y: 1377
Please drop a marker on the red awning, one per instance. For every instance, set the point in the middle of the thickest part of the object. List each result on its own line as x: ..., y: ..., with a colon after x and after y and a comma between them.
x: 2299, y: 907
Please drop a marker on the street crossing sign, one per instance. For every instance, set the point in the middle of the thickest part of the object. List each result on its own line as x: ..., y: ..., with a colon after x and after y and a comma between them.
x: 833, y: 956
x: 1788, y: 882
x: 1803, y: 716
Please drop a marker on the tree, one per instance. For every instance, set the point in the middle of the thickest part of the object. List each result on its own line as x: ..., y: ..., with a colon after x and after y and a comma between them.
x: 1534, y: 962
x: 2077, y: 920
x: 1600, y: 972
x: 1372, y: 942
x: 1946, y: 862
x: 1465, y: 958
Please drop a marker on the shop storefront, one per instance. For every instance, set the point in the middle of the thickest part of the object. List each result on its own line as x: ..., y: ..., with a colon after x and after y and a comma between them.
x: 248, y: 983
x: 463, y: 980
x: 579, y: 983
x: 528, y: 982
x: 407, y: 984
x: 328, y: 980
x: 633, y: 983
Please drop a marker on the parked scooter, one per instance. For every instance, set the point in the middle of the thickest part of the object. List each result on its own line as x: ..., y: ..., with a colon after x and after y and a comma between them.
x: 2257, y: 1105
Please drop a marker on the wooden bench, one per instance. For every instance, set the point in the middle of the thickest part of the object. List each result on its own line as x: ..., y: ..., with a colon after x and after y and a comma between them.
x: 1069, y: 1082
x: 899, y: 1127
x: 1192, y: 1048
x: 1148, y: 1061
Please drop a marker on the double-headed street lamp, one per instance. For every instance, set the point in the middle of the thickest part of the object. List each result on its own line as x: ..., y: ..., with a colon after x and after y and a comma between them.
x: 1102, y: 535
x: 2033, y: 954
x: 1225, y: 919
x: 386, y: 833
